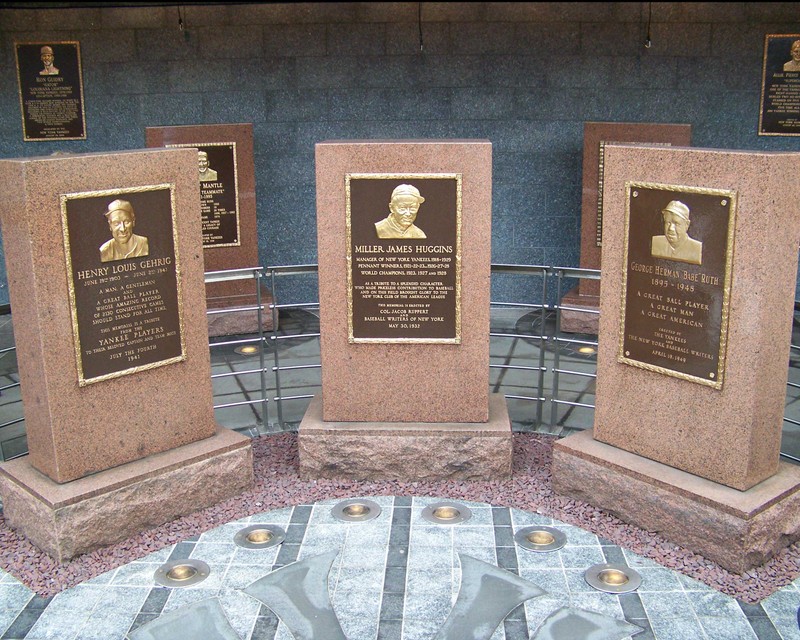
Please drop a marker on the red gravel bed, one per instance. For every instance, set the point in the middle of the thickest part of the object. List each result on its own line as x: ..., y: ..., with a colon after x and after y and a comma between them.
x: 278, y: 485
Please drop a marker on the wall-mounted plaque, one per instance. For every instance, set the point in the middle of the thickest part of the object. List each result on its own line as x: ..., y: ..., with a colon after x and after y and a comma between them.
x: 676, y: 282
x: 780, y: 86
x: 124, y: 280
x: 219, y: 193
x: 404, y: 257
x: 51, y: 90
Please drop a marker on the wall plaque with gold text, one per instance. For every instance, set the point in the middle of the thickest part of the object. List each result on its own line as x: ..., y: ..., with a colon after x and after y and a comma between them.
x: 404, y: 258
x: 219, y: 193
x: 51, y: 90
x: 124, y: 280
x: 676, y: 282
x: 780, y: 86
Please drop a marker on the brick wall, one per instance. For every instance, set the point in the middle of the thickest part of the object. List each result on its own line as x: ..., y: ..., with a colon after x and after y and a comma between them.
x: 523, y: 75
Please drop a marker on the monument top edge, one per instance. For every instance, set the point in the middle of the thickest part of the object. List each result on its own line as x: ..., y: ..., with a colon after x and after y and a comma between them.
x: 709, y: 150
x: 407, y: 141
x: 65, y: 155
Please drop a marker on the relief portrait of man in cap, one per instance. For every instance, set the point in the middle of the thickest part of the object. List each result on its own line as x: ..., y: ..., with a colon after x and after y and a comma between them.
x: 676, y: 244
x: 47, y: 60
x: 124, y: 242
x: 206, y: 173
x: 794, y: 63
x: 403, y: 207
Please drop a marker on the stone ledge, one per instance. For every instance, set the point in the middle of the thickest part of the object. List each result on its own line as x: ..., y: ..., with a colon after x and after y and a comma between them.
x: 739, y: 530
x: 576, y: 320
x: 66, y: 520
x: 406, y: 450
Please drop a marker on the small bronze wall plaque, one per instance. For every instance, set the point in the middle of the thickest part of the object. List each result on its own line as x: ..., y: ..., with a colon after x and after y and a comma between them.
x: 404, y: 258
x: 50, y: 90
x: 219, y: 193
x: 780, y: 86
x: 676, y: 283
x: 124, y: 280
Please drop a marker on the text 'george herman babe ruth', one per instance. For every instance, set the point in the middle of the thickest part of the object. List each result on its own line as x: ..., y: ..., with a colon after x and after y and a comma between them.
x: 676, y: 244
x: 403, y: 207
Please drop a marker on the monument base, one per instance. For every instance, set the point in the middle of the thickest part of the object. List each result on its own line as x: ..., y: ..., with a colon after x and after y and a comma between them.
x: 406, y: 451
x: 739, y: 530
x: 66, y: 520
x: 225, y: 319
x: 583, y: 316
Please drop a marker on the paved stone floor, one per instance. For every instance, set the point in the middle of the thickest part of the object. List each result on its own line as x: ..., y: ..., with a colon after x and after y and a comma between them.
x: 396, y: 576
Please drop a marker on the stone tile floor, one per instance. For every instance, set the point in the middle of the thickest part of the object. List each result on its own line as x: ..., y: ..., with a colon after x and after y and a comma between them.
x: 397, y: 577
x: 378, y: 591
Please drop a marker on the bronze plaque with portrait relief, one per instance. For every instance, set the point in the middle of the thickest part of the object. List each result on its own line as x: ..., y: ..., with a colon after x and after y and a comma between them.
x: 51, y: 90
x: 219, y: 193
x: 404, y: 258
x: 780, y: 86
x: 676, y: 282
x: 124, y: 280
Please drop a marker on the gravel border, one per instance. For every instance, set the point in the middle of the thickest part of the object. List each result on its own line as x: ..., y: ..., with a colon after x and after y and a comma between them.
x: 279, y: 485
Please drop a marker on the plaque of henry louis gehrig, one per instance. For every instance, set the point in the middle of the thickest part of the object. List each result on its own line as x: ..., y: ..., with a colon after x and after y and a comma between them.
x: 404, y: 258
x: 124, y: 281
x: 219, y: 193
x: 676, y: 282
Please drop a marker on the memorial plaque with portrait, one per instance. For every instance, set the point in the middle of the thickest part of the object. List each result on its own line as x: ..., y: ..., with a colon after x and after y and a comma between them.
x: 124, y: 280
x: 676, y: 282
x: 219, y: 193
x: 404, y: 258
x: 51, y: 90
x: 780, y: 86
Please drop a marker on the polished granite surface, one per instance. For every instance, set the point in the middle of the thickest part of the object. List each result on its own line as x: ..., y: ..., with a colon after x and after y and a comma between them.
x: 396, y: 576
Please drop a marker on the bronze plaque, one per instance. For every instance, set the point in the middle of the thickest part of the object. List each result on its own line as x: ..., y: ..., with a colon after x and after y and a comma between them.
x: 780, y: 86
x: 219, y: 193
x: 404, y: 258
x: 51, y: 90
x: 676, y: 283
x: 124, y: 280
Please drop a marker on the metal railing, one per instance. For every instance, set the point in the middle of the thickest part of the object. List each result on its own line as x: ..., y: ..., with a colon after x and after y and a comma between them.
x: 540, y: 369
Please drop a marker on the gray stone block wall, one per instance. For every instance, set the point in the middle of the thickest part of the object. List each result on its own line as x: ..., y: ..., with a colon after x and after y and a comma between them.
x: 523, y: 75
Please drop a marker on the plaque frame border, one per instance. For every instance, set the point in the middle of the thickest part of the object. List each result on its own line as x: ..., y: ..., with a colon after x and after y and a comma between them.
x: 196, y: 145
x: 726, y: 286
x: 458, y: 177
x: 64, y: 198
x: 25, y: 137
x: 767, y: 37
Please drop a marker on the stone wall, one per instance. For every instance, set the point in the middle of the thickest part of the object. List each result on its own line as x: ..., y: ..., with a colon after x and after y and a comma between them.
x: 523, y: 75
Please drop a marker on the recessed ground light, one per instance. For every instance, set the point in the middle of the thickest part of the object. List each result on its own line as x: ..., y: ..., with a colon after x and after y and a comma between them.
x: 259, y: 536
x: 446, y: 513
x: 181, y: 573
x: 587, y: 351
x: 247, y: 350
x: 356, y: 510
x: 540, y: 538
x: 613, y: 578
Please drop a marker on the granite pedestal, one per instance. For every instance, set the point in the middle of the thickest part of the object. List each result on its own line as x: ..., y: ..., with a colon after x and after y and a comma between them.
x: 66, y: 520
x: 405, y: 401
x: 738, y: 530
x: 406, y: 451
x: 671, y: 451
x: 583, y: 300
x: 229, y: 148
x: 112, y: 350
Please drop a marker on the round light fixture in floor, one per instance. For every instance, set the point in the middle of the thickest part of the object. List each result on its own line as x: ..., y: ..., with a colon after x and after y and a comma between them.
x: 540, y: 538
x: 259, y: 536
x: 356, y: 510
x: 613, y: 578
x: 181, y: 573
x: 446, y: 513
